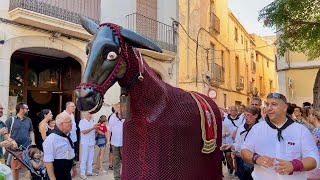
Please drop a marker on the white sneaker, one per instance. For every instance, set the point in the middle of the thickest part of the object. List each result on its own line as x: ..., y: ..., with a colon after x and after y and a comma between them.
x: 93, y: 174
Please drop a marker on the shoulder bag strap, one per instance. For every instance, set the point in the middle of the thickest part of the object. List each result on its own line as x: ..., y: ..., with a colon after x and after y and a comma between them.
x: 11, y: 126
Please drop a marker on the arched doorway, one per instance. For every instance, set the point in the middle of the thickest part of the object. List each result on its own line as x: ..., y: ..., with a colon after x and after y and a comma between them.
x: 44, y: 79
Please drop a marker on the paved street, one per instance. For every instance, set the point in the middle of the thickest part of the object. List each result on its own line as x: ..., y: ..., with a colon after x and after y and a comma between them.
x: 109, y: 175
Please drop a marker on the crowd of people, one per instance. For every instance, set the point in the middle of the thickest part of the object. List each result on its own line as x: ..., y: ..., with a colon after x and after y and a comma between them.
x: 271, y: 140
x: 264, y: 140
x: 53, y: 154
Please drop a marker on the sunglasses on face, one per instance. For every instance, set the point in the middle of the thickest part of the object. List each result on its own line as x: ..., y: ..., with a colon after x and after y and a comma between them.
x: 277, y: 96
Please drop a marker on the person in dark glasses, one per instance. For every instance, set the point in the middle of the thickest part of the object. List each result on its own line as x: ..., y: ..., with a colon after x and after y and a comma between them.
x: 278, y: 147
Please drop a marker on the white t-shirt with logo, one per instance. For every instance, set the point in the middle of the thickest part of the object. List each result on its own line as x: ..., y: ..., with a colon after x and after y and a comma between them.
x: 298, y: 144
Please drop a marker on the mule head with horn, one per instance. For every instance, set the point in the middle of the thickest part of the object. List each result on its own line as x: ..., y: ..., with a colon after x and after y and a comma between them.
x: 107, y: 61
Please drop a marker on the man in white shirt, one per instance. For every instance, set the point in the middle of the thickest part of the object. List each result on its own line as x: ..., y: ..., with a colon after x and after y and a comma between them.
x: 70, y: 109
x: 116, y: 127
x: 87, y: 141
x: 232, y: 121
x: 278, y: 147
x: 241, y: 113
x: 256, y: 101
x: 59, y: 150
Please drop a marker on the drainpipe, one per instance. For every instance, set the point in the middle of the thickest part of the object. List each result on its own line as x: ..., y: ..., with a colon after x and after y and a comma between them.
x: 188, y: 27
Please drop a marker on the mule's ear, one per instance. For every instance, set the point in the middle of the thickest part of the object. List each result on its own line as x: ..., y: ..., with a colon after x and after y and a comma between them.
x: 89, y: 25
x: 139, y: 41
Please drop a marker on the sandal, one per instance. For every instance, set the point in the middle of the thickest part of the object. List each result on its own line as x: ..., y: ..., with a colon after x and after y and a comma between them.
x: 110, y: 167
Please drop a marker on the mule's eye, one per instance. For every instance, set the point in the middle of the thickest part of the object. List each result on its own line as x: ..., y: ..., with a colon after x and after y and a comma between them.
x: 111, y: 55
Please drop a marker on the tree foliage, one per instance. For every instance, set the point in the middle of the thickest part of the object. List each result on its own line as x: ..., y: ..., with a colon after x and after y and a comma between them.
x: 297, y: 23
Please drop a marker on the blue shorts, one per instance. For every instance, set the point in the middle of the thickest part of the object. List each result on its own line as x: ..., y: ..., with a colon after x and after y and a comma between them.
x: 102, y: 145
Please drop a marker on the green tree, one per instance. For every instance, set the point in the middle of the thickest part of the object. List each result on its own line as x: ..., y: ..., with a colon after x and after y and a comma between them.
x: 298, y: 24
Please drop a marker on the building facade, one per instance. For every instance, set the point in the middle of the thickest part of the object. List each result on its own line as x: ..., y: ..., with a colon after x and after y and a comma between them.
x: 42, y: 52
x: 264, y: 75
x: 223, y: 65
x: 297, y: 76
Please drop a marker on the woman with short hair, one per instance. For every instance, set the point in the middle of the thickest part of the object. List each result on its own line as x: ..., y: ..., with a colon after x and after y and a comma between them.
x: 251, y: 115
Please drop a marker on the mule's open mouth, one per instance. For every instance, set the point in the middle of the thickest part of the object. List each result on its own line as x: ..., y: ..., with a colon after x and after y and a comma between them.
x: 92, y: 101
x: 97, y: 107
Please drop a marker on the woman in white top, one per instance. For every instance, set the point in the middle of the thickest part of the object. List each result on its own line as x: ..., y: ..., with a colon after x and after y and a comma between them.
x: 251, y: 115
x: 225, y: 129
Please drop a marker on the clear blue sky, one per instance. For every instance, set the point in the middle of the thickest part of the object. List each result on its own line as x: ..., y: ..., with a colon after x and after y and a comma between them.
x: 247, y: 13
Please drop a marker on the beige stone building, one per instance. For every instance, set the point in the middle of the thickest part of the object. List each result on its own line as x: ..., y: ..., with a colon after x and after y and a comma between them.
x: 42, y: 52
x: 296, y: 76
x: 224, y: 66
x: 265, y: 76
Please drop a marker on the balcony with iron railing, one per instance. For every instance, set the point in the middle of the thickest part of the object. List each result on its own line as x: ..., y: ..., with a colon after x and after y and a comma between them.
x: 216, y: 74
x: 240, y: 83
x: 214, y: 23
x: 55, y: 15
x: 161, y: 34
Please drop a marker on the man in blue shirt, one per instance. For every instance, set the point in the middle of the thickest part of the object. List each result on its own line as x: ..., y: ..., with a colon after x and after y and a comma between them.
x: 5, y: 141
x: 21, y: 130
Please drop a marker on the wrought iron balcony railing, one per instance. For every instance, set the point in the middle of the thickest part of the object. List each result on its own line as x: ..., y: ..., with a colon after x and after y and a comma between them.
x: 158, y: 32
x: 216, y: 74
x: 62, y: 9
x: 214, y: 23
x: 240, y: 83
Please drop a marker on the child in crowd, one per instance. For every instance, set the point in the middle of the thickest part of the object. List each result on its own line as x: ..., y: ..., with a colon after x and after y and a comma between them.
x: 37, y: 160
x: 52, y: 123
x: 101, y: 142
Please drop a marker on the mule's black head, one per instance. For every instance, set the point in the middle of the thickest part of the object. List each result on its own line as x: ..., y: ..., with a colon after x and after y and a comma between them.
x: 106, y: 62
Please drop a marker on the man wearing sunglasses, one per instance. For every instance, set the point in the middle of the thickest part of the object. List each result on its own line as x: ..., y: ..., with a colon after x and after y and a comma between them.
x: 278, y: 147
x: 20, y: 129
